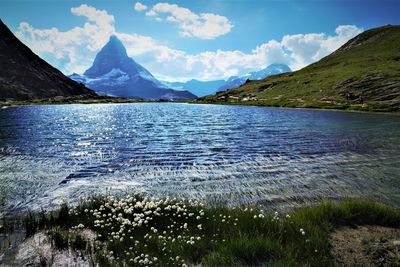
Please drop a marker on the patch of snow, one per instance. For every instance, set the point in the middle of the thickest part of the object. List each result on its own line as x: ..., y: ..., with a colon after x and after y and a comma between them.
x: 114, y: 73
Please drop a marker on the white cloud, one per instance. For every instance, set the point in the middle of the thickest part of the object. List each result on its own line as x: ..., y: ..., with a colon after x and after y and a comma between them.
x: 140, y: 7
x: 297, y: 51
x: 74, y: 50
x: 137, y: 44
x: 204, y: 26
x: 171, y: 19
x: 308, y: 48
x: 151, y: 13
x: 101, y: 17
x: 165, y: 62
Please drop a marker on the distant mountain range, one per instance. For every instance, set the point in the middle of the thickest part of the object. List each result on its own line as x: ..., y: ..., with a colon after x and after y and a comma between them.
x: 203, y: 88
x: 25, y: 76
x: 364, y: 74
x: 199, y: 88
x: 113, y: 73
x: 236, y: 81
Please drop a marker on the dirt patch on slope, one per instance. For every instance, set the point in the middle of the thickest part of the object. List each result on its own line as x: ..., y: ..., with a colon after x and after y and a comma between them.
x: 366, y: 246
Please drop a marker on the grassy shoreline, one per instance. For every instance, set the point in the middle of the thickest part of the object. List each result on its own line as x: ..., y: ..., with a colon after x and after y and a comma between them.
x: 336, y: 109
x: 110, y: 100
x: 168, y: 232
x: 322, y: 108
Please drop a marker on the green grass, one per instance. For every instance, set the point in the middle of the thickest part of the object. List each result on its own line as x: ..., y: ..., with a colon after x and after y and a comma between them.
x: 320, y: 85
x: 227, y: 236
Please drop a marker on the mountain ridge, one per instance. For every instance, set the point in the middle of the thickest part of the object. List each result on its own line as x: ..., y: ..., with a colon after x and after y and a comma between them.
x: 204, y: 88
x: 236, y: 81
x: 197, y: 87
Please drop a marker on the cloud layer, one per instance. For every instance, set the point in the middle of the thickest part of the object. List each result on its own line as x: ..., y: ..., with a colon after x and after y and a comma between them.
x: 74, y: 50
x: 308, y: 48
x: 204, y: 26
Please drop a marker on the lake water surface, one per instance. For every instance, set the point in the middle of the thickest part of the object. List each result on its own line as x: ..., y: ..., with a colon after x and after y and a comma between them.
x: 234, y: 154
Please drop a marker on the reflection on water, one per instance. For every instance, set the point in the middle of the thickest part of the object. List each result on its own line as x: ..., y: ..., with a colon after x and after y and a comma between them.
x: 235, y: 154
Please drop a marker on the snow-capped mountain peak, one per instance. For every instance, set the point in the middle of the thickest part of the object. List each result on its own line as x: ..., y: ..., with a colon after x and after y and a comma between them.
x: 236, y: 81
x: 114, y: 73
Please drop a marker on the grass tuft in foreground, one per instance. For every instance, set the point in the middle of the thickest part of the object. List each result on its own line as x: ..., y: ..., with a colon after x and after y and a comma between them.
x: 141, y: 232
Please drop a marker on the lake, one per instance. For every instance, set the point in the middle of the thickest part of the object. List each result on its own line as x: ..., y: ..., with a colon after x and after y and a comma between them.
x: 237, y: 155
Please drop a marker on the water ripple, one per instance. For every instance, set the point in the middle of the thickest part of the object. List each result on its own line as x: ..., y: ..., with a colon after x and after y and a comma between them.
x: 232, y: 154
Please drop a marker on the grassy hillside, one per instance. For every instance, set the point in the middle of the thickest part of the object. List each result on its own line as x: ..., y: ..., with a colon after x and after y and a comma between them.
x: 364, y: 74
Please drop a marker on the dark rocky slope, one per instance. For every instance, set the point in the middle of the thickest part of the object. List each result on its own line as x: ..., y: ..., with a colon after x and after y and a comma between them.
x: 25, y: 76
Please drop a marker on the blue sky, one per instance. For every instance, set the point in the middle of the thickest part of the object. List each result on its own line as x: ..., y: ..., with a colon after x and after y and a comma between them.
x: 202, y: 39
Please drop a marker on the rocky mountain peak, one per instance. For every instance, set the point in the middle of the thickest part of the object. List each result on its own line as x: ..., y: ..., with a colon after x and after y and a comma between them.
x: 113, y: 56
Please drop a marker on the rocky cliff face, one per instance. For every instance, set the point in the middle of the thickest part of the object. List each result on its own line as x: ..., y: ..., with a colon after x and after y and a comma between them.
x: 373, y: 86
x: 25, y: 76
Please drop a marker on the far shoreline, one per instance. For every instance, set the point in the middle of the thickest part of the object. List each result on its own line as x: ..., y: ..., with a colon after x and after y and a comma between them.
x: 396, y: 113
x: 120, y: 100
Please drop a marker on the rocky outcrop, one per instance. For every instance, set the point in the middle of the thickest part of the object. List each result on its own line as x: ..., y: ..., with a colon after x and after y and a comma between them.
x: 370, y: 87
